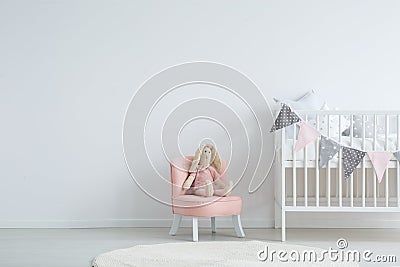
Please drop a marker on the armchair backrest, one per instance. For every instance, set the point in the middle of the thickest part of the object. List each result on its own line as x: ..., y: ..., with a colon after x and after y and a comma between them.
x: 180, y: 171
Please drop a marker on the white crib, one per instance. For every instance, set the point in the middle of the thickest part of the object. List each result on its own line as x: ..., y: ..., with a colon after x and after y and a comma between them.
x: 301, y: 186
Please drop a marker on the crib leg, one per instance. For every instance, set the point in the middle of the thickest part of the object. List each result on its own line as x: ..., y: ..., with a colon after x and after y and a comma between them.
x: 283, y: 225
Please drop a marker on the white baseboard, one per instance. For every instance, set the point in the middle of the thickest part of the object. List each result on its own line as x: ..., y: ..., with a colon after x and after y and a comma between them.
x: 222, y: 222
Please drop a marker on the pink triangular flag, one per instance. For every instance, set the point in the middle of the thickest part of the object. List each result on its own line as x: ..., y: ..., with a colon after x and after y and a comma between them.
x: 307, y: 134
x: 380, y: 160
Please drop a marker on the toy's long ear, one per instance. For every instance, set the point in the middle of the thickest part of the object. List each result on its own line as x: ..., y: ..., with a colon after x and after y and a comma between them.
x: 216, y: 160
x: 197, y: 155
x: 196, y: 159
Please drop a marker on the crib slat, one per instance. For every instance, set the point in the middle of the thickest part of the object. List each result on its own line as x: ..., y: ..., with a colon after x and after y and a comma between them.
x: 294, y: 167
x: 305, y: 173
x: 340, y: 178
x: 397, y: 162
x: 316, y: 166
x: 328, y: 169
x: 363, y: 163
x: 352, y: 175
x: 337, y: 180
x: 355, y: 181
x: 283, y: 171
x: 351, y: 129
x: 387, y: 170
x: 340, y: 174
x: 351, y: 190
x: 374, y: 143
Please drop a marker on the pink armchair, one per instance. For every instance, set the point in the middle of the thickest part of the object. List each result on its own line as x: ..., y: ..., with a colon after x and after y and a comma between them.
x: 184, y: 203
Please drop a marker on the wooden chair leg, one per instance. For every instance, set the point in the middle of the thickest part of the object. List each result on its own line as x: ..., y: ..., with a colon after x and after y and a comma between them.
x: 195, y: 229
x: 238, y: 226
x: 213, y: 228
x: 175, y: 225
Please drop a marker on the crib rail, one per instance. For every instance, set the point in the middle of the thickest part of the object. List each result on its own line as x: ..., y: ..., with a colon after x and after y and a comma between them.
x: 305, y: 186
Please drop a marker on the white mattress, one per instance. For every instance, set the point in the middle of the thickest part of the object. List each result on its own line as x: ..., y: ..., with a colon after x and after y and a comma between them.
x: 345, y: 141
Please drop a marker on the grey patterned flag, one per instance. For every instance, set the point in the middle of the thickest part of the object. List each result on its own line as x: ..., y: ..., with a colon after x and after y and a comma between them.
x: 328, y: 148
x: 285, y: 118
x: 397, y: 155
x: 351, y: 158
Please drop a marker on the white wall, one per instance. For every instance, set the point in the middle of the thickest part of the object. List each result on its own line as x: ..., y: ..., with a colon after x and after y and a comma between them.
x: 69, y: 68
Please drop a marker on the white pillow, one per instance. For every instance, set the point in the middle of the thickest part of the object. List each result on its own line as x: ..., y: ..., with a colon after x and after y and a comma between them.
x: 309, y: 101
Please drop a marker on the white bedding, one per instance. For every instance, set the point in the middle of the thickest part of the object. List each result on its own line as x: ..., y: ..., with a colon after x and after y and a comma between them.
x: 345, y: 141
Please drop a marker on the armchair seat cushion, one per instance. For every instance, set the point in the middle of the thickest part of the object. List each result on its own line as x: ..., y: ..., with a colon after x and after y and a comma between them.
x: 198, y: 206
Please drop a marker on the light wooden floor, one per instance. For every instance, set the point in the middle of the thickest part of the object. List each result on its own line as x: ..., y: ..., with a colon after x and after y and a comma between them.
x: 77, y: 247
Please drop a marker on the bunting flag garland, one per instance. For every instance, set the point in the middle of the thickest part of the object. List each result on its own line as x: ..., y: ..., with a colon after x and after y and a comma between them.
x: 328, y: 148
x: 380, y: 161
x: 351, y: 158
x: 285, y: 118
x: 307, y: 134
x: 397, y: 155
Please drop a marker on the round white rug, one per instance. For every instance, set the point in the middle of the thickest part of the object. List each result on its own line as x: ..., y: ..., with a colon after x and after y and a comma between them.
x: 221, y: 254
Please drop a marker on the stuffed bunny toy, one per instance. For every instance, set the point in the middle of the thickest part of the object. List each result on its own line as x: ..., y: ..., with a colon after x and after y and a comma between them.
x: 205, y: 174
